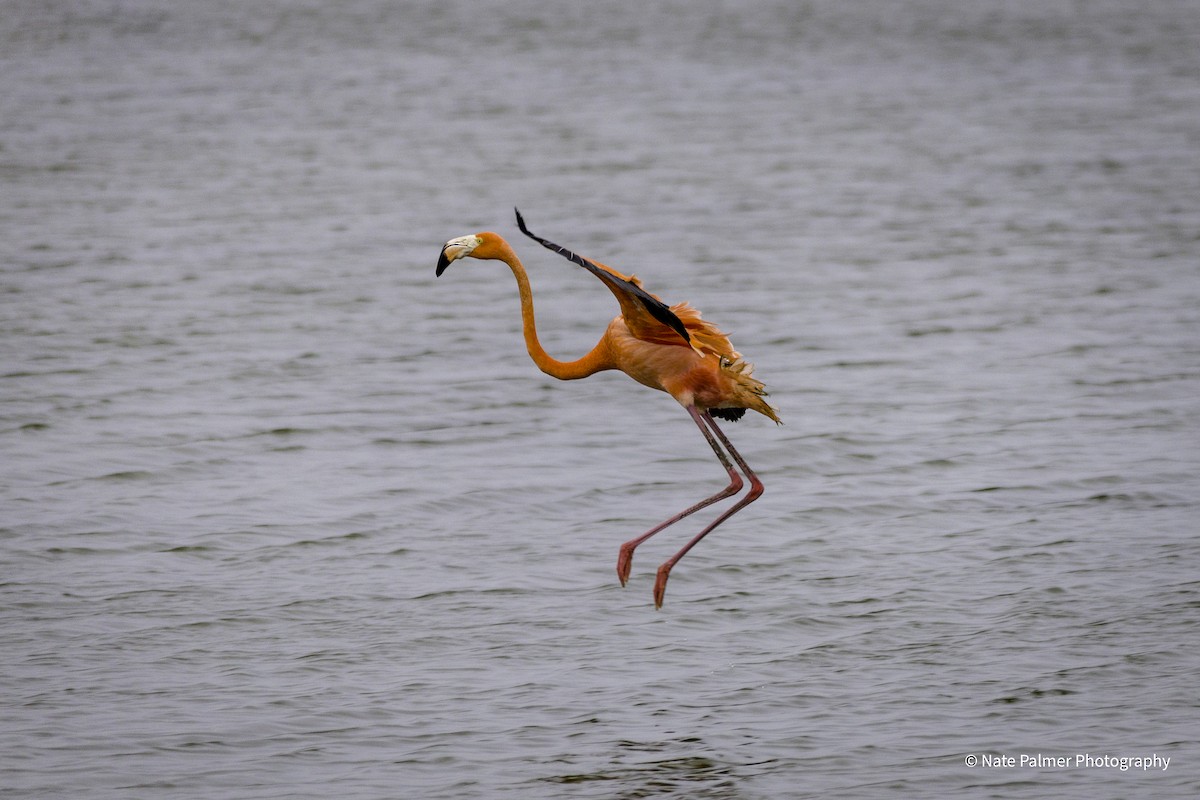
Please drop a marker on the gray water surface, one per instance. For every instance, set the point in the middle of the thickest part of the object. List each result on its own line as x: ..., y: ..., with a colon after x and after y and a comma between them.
x: 283, y: 516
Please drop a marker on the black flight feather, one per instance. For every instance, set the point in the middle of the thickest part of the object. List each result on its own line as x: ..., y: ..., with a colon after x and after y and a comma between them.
x: 657, y: 308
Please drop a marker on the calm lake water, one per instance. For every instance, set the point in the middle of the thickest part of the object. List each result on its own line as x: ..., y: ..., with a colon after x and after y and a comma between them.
x: 283, y: 516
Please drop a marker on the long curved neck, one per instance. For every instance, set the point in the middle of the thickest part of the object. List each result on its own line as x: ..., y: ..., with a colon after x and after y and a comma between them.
x: 597, y: 359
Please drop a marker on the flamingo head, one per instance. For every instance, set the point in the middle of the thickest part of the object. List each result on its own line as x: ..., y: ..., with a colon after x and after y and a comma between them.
x: 457, y: 248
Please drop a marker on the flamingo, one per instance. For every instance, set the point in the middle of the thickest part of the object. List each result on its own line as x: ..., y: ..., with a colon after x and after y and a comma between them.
x: 666, y: 348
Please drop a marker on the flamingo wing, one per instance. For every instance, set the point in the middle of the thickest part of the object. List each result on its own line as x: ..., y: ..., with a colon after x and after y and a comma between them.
x: 648, y: 318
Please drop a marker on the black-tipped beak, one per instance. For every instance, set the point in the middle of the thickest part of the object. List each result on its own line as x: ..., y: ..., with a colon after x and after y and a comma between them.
x: 443, y: 262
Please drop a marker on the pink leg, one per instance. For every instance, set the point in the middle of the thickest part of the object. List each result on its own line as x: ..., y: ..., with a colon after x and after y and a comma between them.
x: 625, y: 557
x: 756, y: 489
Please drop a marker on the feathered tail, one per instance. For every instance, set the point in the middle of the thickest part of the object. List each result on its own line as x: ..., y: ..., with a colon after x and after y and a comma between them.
x: 749, y: 391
